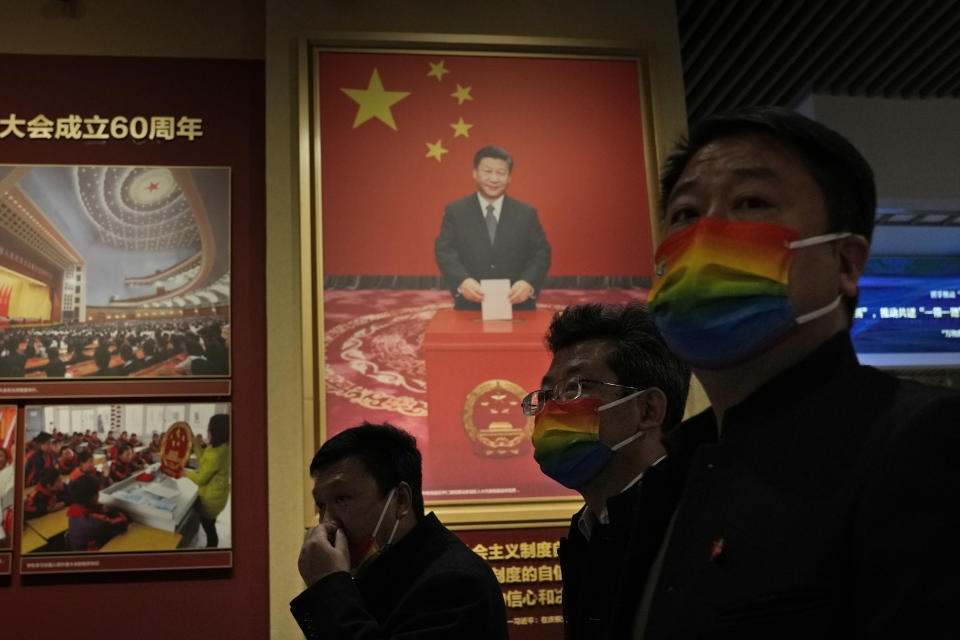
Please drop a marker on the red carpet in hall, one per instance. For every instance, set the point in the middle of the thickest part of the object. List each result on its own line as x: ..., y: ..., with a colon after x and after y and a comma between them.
x: 374, y: 361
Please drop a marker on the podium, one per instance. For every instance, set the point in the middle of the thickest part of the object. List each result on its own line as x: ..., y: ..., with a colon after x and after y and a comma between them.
x: 477, y: 373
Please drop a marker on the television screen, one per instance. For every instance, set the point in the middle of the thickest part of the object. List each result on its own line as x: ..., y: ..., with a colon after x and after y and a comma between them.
x: 908, y: 313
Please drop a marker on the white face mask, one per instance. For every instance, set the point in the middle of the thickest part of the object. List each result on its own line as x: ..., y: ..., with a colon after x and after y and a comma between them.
x: 363, y: 552
x: 383, y: 514
x: 616, y: 403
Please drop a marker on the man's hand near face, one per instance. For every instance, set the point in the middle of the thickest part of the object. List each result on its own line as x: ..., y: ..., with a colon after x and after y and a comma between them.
x: 319, y: 557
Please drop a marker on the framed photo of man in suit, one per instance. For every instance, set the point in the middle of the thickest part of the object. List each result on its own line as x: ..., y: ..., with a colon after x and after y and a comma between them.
x: 439, y: 167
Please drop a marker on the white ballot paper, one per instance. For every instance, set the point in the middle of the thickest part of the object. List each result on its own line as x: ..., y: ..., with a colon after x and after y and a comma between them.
x: 495, y: 305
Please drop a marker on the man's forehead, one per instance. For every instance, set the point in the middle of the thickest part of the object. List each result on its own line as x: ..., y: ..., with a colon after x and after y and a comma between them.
x: 585, y: 356
x: 494, y: 163
x: 748, y: 155
x: 348, y: 470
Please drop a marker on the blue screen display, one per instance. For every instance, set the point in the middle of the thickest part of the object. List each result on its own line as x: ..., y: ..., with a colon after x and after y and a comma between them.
x: 908, y: 313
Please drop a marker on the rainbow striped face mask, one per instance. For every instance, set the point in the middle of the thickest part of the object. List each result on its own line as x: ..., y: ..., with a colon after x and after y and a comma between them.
x: 721, y: 291
x: 566, y: 440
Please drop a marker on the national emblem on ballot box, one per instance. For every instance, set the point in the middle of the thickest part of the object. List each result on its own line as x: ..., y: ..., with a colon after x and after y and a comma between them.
x: 494, y: 421
x: 175, y: 450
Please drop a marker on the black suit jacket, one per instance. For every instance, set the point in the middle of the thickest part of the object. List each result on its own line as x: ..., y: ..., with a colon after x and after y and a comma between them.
x: 826, y: 509
x: 604, y: 577
x: 428, y: 586
x: 463, y: 250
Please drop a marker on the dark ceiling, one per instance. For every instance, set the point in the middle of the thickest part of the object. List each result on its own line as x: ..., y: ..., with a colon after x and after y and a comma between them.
x: 739, y: 53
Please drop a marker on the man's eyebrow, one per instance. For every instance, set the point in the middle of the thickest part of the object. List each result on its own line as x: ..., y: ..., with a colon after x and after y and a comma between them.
x: 740, y: 174
x: 571, y: 372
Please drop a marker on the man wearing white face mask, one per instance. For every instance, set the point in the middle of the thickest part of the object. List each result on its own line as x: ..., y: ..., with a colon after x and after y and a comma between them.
x: 610, y: 389
x: 376, y: 566
x: 821, y: 495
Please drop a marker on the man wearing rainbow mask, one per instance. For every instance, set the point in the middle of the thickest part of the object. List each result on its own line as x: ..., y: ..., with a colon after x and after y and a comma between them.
x: 821, y: 495
x: 376, y: 566
x: 610, y: 389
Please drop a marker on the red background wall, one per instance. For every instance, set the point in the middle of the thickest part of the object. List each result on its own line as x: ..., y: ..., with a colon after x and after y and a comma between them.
x: 228, y: 95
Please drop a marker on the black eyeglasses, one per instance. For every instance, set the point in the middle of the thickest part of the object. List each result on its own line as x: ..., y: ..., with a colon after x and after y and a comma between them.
x: 562, y: 392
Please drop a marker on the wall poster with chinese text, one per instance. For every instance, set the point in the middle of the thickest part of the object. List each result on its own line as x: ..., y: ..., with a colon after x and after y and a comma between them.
x: 526, y: 565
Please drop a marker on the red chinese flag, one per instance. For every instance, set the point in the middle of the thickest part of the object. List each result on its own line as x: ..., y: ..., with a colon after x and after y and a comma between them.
x: 398, y: 133
x: 175, y: 449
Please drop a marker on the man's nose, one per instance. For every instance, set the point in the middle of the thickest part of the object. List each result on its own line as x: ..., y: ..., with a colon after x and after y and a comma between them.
x: 328, y: 517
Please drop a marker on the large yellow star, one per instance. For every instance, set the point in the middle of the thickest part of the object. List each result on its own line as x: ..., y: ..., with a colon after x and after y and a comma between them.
x: 375, y: 102
x: 436, y: 150
x: 437, y: 70
x: 461, y: 129
x: 461, y: 94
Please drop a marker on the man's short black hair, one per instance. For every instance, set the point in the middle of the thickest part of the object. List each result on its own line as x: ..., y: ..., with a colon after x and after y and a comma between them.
x: 389, y: 454
x: 639, y: 357
x: 43, y: 437
x: 492, y: 151
x: 841, y: 172
x: 84, y: 491
x: 84, y: 455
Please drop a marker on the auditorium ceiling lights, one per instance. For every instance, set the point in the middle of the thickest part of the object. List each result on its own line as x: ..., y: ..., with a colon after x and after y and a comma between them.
x: 141, y: 209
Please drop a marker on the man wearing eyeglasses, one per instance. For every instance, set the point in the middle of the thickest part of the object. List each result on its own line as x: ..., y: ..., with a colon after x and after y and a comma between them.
x: 611, y: 388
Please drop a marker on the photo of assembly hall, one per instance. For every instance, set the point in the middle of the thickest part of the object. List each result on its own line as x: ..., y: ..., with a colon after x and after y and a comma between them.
x: 114, y: 272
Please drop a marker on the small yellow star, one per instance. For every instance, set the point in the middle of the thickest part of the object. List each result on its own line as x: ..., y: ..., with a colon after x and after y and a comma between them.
x: 437, y: 70
x: 462, y: 94
x: 436, y: 150
x: 461, y: 129
x: 375, y: 102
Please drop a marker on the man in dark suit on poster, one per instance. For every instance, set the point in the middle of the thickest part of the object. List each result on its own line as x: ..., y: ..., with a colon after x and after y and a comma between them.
x: 491, y: 235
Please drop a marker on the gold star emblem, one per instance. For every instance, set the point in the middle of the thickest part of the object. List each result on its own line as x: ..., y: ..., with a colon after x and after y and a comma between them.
x: 437, y: 70
x: 375, y: 102
x: 462, y: 94
x: 461, y: 129
x: 436, y: 150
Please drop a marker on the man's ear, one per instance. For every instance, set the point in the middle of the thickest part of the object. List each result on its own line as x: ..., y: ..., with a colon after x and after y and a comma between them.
x: 852, y: 252
x: 404, y: 499
x: 653, y: 408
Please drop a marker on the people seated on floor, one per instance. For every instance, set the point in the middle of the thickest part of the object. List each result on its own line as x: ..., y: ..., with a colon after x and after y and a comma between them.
x: 37, y: 458
x: 68, y: 460
x: 90, y: 524
x: 47, y: 496
x: 86, y: 467
x: 125, y: 464
x: 92, y: 438
x: 155, y: 443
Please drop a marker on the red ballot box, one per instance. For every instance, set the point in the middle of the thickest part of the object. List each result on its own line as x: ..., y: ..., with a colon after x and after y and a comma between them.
x: 477, y: 373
